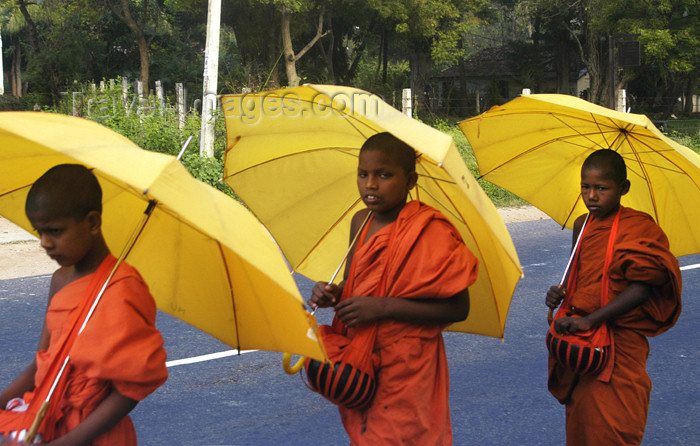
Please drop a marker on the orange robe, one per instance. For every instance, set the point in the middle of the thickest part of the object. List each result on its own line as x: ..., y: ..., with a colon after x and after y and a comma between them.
x: 615, y: 412
x: 422, y: 255
x: 120, y: 348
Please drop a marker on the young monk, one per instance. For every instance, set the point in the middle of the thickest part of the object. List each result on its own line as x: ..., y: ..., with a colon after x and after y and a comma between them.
x: 118, y: 359
x: 644, y: 300
x: 426, y: 270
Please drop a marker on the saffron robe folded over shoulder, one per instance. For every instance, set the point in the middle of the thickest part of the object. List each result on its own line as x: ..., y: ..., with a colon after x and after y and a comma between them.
x: 120, y: 348
x: 420, y: 255
x: 615, y: 412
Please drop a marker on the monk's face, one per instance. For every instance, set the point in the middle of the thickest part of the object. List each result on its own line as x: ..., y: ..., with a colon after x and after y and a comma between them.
x: 383, y: 184
x: 67, y: 240
x: 600, y: 192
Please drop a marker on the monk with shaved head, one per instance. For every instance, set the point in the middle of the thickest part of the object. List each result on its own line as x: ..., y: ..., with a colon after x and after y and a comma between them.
x: 118, y: 358
x: 631, y: 252
x: 409, y: 274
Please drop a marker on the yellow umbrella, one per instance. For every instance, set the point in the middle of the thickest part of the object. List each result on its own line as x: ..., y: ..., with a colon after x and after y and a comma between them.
x: 292, y: 158
x: 534, y: 146
x: 206, y: 259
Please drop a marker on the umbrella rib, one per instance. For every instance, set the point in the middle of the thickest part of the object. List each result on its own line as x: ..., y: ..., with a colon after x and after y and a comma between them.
x: 430, y: 177
x: 660, y: 153
x: 233, y: 296
x: 352, y: 120
x: 323, y: 237
x: 12, y: 191
x: 571, y: 211
x: 564, y: 139
x: 643, y: 168
x: 534, y: 149
x: 602, y: 133
x: 457, y: 216
x: 460, y: 218
x: 343, y: 150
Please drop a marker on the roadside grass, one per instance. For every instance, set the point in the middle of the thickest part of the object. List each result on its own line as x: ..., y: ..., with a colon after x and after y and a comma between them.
x: 499, y: 196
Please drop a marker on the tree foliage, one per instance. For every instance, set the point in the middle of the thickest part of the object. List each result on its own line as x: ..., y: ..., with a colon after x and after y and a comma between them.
x: 379, y: 45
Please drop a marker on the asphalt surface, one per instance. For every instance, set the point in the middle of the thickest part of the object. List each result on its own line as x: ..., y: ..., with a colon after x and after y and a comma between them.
x: 498, y: 389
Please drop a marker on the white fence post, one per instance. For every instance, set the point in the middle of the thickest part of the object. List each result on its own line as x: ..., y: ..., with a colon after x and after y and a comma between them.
x: 180, y: 101
x: 406, y: 102
x: 159, y: 95
x: 125, y: 94
x: 622, y: 100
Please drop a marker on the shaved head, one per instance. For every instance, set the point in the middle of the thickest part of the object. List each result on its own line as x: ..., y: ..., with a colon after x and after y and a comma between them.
x: 400, y: 152
x: 608, y: 161
x: 66, y: 190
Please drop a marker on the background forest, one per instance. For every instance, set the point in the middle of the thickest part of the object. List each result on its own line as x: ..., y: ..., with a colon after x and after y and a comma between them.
x: 459, y: 57
x: 378, y: 45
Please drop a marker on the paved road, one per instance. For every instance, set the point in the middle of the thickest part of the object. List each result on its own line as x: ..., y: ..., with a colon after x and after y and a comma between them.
x: 498, y: 391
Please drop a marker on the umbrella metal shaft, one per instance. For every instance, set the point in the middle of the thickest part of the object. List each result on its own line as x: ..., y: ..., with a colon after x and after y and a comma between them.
x: 347, y: 253
x: 550, y: 316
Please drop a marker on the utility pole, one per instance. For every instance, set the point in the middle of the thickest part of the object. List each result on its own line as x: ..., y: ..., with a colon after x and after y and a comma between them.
x: 210, y: 79
x: 611, y: 63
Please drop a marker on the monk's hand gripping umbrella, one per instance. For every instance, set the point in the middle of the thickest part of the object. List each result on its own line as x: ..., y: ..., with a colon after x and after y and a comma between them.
x: 562, y: 282
x: 287, y: 358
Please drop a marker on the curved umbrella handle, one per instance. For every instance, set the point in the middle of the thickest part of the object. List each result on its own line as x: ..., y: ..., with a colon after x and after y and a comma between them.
x: 292, y: 369
x: 550, y: 316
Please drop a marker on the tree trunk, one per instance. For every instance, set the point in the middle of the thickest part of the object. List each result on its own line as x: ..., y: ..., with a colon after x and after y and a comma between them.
x: 380, y: 57
x: 689, y: 90
x: 562, y: 58
x: 288, y: 50
x: 273, y: 51
x: 385, y: 56
x: 33, y: 32
x: 17, y: 71
x: 462, y: 65
x: 329, y: 58
x: 290, y: 58
x: 143, y: 44
x: 145, y: 62
x: 591, y: 57
x: 328, y: 52
x: 419, y: 67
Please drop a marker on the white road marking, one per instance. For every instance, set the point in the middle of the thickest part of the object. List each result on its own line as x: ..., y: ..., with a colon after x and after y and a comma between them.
x: 212, y: 356
x: 209, y: 357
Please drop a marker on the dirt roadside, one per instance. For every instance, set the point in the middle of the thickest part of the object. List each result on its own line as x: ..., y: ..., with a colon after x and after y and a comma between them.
x: 21, y: 255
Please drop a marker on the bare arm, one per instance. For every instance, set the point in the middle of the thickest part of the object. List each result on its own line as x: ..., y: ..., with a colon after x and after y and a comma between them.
x: 326, y: 294
x: 556, y: 293
x: 359, y: 309
x: 105, y: 416
x: 634, y: 295
x: 24, y: 382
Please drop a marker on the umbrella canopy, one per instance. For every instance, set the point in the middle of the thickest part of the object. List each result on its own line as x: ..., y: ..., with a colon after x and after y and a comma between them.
x: 292, y: 157
x: 534, y: 146
x: 206, y: 259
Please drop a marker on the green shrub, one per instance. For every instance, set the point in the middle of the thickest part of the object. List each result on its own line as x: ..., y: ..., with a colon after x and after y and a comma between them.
x: 499, y: 196
x: 151, y: 127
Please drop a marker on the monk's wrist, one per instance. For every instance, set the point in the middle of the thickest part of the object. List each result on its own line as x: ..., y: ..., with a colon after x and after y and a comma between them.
x: 592, y: 320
